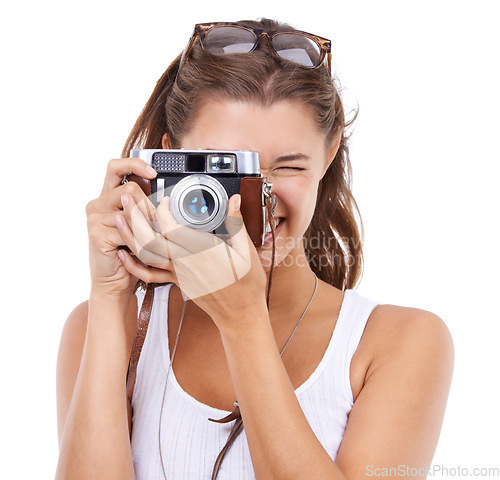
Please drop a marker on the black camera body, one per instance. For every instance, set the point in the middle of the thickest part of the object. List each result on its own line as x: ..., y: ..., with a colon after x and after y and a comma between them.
x: 200, y: 183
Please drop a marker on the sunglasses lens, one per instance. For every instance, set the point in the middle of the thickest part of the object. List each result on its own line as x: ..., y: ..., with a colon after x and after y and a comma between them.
x: 297, y: 48
x: 225, y: 40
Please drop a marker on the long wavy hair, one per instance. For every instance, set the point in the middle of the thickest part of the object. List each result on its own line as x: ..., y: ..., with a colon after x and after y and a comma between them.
x: 333, y: 240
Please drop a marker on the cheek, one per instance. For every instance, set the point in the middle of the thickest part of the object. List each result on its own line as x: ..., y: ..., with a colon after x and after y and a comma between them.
x: 298, y: 199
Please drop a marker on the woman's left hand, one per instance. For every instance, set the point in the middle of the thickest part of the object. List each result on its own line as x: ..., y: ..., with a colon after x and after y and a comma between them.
x: 221, y: 278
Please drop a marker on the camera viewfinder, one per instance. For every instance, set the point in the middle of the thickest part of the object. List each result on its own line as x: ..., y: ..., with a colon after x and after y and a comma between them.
x: 221, y: 163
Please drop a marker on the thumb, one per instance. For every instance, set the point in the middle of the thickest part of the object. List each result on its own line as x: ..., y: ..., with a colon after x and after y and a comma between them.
x: 235, y: 226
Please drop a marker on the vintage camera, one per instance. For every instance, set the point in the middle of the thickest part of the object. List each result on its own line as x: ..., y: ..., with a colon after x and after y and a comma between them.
x: 200, y: 183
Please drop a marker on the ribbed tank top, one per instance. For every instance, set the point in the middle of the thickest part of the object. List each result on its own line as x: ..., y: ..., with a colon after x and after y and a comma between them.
x: 191, y: 443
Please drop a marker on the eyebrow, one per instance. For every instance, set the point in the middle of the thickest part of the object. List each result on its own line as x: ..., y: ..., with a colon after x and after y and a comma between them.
x: 292, y: 157
x: 289, y: 157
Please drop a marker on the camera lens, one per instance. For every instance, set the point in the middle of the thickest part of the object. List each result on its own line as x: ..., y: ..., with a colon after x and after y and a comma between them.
x: 199, y: 201
x: 199, y: 204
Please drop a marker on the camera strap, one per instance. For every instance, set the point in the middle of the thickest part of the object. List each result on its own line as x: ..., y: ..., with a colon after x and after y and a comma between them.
x: 140, y: 336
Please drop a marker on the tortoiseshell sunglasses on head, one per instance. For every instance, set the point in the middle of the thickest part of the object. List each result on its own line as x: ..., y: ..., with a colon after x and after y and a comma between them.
x: 224, y: 38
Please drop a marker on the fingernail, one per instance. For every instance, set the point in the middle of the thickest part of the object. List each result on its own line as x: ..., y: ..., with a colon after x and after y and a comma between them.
x: 151, y: 171
x: 118, y: 221
x: 124, y: 200
x: 237, y: 203
x: 121, y: 255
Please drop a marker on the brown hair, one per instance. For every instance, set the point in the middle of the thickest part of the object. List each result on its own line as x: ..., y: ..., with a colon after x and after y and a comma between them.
x: 333, y: 240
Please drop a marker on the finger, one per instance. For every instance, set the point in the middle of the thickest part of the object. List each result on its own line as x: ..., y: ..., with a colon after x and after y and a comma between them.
x: 143, y: 202
x: 119, y: 167
x: 154, y: 253
x: 108, y: 219
x: 137, y: 221
x: 142, y: 239
x: 190, y: 239
x: 106, y: 238
x: 112, y: 200
x: 148, y: 275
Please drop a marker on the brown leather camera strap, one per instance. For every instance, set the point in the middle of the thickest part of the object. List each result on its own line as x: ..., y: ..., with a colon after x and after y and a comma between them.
x: 235, y: 431
x: 140, y: 336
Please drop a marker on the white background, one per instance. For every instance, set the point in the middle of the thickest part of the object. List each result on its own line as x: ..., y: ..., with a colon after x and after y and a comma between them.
x: 424, y: 150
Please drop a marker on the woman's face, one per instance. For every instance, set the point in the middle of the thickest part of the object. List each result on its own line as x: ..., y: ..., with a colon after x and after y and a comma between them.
x: 293, y: 156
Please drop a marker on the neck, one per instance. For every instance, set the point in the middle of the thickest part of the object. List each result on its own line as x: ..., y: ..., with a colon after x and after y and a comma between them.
x: 292, y: 286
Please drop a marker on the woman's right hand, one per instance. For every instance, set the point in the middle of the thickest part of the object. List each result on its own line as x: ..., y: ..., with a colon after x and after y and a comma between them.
x: 108, y: 275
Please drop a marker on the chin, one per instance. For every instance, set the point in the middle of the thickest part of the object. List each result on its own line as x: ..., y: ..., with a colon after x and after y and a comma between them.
x: 265, y: 260
x: 284, y: 249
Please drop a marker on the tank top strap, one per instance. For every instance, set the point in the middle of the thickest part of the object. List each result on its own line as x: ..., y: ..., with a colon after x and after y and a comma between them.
x: 351, y: 323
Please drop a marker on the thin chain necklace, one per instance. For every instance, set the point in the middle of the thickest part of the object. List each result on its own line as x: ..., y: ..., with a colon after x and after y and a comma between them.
x: 302, y: 316
x: 235, y: 414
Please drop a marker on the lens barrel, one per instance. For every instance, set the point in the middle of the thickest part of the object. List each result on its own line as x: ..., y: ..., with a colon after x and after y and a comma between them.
x: 199, y: 201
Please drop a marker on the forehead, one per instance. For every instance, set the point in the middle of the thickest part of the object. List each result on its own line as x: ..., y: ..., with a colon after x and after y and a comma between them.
x: 282, y: 127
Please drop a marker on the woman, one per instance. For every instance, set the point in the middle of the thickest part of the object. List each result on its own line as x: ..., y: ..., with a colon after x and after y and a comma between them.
x: 361, y: 388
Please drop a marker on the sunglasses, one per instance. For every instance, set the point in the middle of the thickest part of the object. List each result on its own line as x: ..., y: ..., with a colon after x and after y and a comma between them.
x: 223, y: 38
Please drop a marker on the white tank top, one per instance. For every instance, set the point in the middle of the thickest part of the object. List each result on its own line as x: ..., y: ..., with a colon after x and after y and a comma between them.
x: 191, y: 443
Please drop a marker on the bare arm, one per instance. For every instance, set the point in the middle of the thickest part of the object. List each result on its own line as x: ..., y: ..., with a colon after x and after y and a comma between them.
x: 395, y: 420
x: 92, y: 405
x: 93, y: 409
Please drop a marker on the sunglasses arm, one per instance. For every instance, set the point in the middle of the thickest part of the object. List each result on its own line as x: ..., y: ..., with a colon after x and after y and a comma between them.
x: 186, y: 51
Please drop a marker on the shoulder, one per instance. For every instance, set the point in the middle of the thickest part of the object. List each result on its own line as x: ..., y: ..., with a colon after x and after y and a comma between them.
x: 75, y: 330
x: 77, y: 319
x: 75, y: 326
x: 407, y: 325
x: 395, y: 333
x: 399, y: 410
